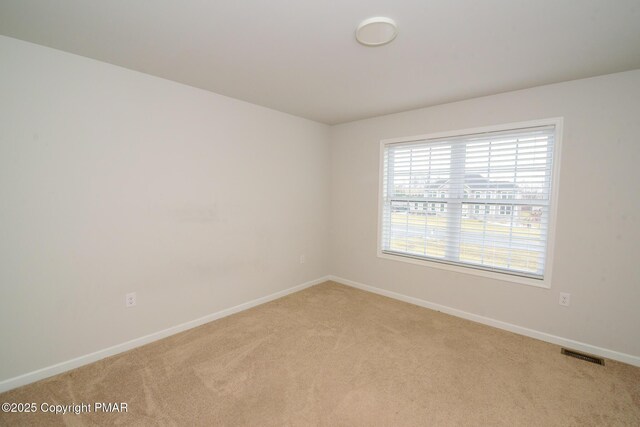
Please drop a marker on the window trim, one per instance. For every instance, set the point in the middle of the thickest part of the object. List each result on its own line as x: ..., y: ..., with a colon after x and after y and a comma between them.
x: 553, y: 201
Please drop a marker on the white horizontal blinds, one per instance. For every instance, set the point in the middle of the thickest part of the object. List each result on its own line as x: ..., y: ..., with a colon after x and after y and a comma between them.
x: 478, y: 200
x: 409, y: 170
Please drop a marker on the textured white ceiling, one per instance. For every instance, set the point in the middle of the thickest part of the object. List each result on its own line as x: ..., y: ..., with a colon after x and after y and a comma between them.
x: 301, y: 57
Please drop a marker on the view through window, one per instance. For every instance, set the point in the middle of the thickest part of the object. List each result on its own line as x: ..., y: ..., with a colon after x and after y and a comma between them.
x: 480, y: 200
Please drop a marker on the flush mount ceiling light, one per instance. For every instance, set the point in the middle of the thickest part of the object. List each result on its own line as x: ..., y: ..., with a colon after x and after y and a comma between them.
x: 376, y: 31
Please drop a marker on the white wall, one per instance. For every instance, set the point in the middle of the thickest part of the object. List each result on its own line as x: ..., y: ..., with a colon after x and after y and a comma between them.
x: 597, y: 243
x: 114, y: 181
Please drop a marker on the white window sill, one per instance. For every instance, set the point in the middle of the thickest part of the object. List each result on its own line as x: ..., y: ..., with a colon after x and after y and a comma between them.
x: 505, y: 277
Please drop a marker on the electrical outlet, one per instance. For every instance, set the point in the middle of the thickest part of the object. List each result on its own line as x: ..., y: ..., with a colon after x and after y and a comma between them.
x: 130, y: 299
x: 565, y: 299
x: 303, y: 259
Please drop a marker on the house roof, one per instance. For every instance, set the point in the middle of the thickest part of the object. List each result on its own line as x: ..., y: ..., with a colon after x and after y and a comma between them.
x: 476, y: 182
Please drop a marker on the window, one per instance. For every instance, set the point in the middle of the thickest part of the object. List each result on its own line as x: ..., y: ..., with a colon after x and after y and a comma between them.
x: 478, y: 208
x: 505, y: 209
x: 489, y: 197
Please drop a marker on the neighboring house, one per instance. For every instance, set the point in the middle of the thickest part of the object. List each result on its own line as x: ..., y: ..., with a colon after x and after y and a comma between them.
x: 488, y: 192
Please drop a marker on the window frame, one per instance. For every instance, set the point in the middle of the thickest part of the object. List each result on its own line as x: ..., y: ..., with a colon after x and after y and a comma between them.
x: 545, y: 282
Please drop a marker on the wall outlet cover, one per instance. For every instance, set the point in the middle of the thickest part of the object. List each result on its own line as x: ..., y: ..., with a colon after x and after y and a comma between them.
x: 130, y: 299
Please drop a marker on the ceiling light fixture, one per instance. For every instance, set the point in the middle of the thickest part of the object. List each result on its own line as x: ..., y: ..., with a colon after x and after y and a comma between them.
x: 376, y: 31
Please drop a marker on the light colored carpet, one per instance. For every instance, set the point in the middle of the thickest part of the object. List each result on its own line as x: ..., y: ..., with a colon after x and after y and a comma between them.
x: 333, y: 355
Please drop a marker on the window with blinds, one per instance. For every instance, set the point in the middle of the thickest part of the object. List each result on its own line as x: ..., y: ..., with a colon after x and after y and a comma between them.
x: 480, y: 200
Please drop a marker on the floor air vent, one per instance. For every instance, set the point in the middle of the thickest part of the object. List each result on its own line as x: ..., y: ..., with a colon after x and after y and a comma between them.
x: 582, y: 356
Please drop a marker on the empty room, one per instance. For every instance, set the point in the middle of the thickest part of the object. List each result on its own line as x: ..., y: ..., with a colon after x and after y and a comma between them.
x: 337, y: 213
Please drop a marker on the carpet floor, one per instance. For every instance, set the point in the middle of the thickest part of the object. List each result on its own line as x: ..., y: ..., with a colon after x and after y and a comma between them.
x: 332, y: 355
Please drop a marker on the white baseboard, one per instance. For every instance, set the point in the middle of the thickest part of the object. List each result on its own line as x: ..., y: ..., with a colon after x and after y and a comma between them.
x: 58, y: 368
x: 553, y: 339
